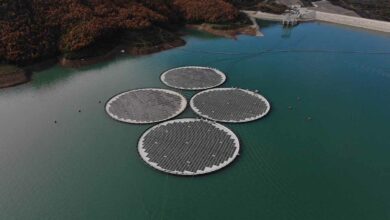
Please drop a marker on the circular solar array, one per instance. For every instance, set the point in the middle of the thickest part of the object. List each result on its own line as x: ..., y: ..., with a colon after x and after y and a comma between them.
x: 146, y: 105
x: 188, y: 146
x: 193, y: 78
x: 230, y: 105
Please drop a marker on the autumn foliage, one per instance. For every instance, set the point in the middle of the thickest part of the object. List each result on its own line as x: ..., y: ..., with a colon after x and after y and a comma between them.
x: 34, y: 29
x: 206, y: 10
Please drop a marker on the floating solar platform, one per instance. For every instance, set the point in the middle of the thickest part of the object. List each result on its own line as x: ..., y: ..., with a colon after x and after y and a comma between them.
x: 144, y: 106
x: 230, y: 105
x: 188, y: 146
x: 193, y: 78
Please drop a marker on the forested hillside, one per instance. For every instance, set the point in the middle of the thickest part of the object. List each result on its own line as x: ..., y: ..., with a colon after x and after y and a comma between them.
x: 32, y: 30
x: 375, y: 9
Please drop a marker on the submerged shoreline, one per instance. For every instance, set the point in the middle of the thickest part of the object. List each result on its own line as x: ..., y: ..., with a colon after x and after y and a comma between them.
x: 21, y: 75
x: 119, y: 50
x: 12, y: 76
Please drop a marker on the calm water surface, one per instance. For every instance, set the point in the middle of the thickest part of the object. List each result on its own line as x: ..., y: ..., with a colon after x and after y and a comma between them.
x: 334, y: 166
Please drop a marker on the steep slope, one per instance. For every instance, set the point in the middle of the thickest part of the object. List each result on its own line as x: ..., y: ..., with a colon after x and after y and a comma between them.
x: 375, y: 9
x: 32, y: 30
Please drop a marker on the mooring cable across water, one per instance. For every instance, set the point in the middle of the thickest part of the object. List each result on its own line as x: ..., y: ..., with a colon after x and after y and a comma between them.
x: 292, y: 50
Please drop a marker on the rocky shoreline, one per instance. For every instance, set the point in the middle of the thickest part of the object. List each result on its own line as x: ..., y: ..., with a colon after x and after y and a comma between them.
x: 12, y: 76
x: 229, y: 33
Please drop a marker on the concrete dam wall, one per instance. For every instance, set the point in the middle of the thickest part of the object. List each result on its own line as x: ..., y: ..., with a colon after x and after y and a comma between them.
x: 353, y: 21
x: 311, y: 15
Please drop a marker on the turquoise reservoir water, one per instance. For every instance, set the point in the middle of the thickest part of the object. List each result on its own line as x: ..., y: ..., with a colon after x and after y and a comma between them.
x: 334, y: 166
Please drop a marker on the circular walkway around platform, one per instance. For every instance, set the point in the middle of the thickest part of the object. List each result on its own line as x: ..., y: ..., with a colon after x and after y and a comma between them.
x: 188, y: 146
x: 230, y: 105
x: 144, y: 106
x: 193, y: 78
